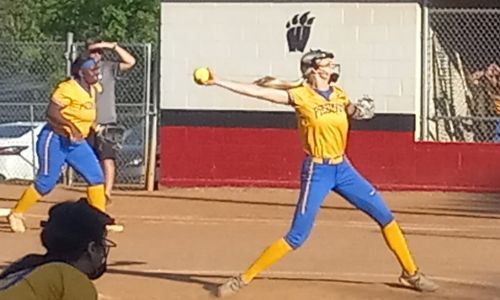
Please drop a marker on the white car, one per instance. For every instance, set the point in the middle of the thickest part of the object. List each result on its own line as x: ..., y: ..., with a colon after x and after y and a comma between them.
x: 18, y: 158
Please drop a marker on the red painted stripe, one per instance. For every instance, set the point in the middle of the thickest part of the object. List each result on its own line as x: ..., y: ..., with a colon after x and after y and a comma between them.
x: 208, y: 156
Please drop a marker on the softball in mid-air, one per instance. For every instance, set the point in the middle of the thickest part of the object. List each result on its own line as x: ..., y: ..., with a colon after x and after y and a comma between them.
x: 201, y: 75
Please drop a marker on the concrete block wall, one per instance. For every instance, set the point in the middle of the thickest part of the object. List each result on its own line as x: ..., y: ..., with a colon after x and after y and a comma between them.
x: 377, y: 45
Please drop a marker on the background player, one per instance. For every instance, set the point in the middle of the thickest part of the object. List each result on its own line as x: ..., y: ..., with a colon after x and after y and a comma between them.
x: 105, y: 140
x: 70, y: 116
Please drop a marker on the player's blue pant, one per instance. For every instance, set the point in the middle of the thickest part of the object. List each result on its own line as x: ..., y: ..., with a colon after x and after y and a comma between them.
x: 317, y: 180
x: 496, y: 137
x: 54, y: 151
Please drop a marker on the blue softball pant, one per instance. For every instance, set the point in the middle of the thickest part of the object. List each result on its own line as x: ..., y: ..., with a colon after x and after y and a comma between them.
x: 317, y: 180
x: 496, y: 137
x: 54, y: 150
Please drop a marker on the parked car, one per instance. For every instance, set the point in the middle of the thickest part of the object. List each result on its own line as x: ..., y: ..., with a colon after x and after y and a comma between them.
x: 18, y: 159
x: 130, y: 156
x: 17, y: 150
x: 130, y: 162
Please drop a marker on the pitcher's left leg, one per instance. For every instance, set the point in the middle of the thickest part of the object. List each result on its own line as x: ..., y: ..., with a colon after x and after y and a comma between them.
x: 360, y: 193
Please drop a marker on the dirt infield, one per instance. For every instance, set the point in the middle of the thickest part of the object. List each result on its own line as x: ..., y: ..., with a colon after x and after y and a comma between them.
x: 179, y: 243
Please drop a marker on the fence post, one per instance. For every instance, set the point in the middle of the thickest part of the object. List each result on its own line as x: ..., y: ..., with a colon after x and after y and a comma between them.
x: 69, y: 55
x: 69, y: 52
x: 145, y: 111
x: 33, y: 156
x: 425, y: 95
x: 150, y: 127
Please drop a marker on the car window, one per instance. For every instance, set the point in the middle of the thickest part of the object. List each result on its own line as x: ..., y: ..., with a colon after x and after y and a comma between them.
x: 14, y: 131
x: 133, y: 136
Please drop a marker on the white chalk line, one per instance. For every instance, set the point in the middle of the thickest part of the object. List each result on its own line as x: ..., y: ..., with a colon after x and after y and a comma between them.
x: 312, y: 275
x: 197, y: 220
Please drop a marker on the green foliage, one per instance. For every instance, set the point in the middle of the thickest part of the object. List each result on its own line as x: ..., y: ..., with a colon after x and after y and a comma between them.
x: 33, y: 35
x: 116, y: 20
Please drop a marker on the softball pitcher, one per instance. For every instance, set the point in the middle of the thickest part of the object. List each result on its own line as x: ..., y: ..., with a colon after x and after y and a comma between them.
x: 70, y: 116
x: 322, y: 110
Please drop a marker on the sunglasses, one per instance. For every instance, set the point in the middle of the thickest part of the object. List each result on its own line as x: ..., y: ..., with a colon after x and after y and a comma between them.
x: 108, y: 244
x: 324, y: 55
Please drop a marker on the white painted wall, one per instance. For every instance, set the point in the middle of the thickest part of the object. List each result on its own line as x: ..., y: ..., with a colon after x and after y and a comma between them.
x: 377, y: 45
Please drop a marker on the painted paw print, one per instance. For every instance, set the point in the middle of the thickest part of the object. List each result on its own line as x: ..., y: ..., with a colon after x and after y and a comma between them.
x: 298, y: 31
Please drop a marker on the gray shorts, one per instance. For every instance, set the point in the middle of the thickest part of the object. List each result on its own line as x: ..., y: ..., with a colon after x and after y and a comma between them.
x: 102, y: 148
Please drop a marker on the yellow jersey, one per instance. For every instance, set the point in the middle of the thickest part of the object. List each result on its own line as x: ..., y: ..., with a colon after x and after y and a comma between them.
x: 51, y: 281
x: 323, y: 124
x: 78, y: 105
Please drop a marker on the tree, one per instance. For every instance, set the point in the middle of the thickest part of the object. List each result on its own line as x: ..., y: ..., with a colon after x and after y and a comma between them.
x: 50, y: 20
x: 32, y: 35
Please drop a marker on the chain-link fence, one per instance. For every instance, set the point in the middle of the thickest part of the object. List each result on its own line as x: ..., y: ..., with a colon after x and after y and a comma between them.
x: 28, y: 74
x: 463, y: 77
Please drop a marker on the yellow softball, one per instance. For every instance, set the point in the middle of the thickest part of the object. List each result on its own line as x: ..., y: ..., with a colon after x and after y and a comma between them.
x: 201, y: 75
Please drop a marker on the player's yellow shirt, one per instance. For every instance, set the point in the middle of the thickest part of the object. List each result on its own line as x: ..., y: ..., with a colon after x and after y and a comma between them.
x: 78, y: 105
x: 51, y: 281
x: 323, y: 124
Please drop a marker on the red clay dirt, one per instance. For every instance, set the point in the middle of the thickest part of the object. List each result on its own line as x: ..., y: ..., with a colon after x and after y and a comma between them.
x: 180, y: 243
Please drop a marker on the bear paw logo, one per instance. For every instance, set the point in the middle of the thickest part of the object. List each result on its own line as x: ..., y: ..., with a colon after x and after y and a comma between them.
x: 298, y: 31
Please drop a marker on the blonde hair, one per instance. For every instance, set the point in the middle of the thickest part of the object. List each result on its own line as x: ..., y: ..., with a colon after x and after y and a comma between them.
x: 275, y: 83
